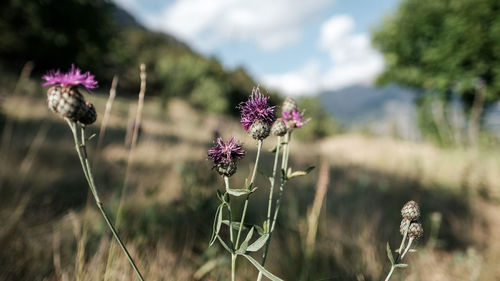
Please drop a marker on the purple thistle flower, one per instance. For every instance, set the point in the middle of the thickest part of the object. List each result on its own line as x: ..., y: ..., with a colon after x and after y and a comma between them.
x: 295, y: 117
x: 73, y: 77
x: 256, y: 108
x: 226, y: 152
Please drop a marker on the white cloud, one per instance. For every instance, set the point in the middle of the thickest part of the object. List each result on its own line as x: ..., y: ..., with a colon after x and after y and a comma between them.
x: 208, y: 24
x: 352, y: 60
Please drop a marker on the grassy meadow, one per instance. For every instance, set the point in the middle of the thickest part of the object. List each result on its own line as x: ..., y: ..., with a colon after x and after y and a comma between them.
x: 51, y: 229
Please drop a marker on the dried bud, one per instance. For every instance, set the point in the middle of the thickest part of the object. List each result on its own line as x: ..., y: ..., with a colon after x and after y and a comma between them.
x: 90, y: 115
x: 67, y: 102
x: 403, y: 226
x: 259, y: 130
x: 410, y: 211
x: 289, y: 104
x: 226, y: 169
x: 278, y: 128
x: 416, y: 231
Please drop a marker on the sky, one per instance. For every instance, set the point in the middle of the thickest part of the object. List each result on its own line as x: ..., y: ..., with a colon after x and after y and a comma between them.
x: 298, y: 47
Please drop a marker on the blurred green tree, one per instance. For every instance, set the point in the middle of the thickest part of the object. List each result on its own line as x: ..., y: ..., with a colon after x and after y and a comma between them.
x: 449, y: 47
x: 56, y: 33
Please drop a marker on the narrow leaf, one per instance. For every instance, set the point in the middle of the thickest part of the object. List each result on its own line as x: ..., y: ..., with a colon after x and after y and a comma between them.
x: 257, y: 265
x: 300, y: 173
x: 244, y: 244
x: 255, y: 246
x: 401, y: 265
x: 389, y: 254
x: 217, y: 224
x: 237, y: 191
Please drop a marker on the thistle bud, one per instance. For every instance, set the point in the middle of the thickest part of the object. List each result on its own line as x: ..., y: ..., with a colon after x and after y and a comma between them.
x: 410, y: 211
x: 90, y: 115
x: 259, y: 130
x: 226, y: 169
x: 416, y: 230
x: 279, y: 128
x: 403, y: 226
x: 67, y: 102
x: 289, y: 104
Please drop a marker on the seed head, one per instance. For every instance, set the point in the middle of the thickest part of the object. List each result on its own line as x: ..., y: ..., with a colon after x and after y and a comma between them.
x: 289, y: 104
x: 259, y: 130
x: 90, y: 115
x: 278, y: 128
x: 67, y: 102
x: 416, y: 231
x: 74, y: 77
x: 256, y: 108
x: 410, y: 211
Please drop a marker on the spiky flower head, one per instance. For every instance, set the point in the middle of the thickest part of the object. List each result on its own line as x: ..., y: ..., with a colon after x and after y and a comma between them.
x: 289, y: 104
x: 256, y: 108
x: 410, y: 211
x: 74, y: 77
x: 224, y: 153
x: 416, y: 230
x: 278, y: 128
x: 295, y: 118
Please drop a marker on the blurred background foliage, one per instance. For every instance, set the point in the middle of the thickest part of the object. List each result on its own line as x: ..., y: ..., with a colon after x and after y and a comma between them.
x: 97, y: 35
x: 447, y: 48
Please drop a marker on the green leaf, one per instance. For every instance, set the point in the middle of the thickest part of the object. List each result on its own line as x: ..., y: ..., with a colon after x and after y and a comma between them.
x: 220, y: 195
x: 299, y: 173
x: 403, y: 265
x: 244, y: 244
x: 91, y: 137
x: 255, y: 246
x: 248, y: 184
x: 389, y: 254
x: 236, y: 225
x: 217, y: 224
x: 257, y: 265
x: 412, y: 250
x: 238, y: 191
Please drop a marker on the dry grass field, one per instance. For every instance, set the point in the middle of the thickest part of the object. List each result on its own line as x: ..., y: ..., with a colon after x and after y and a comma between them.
x: 51, y: 229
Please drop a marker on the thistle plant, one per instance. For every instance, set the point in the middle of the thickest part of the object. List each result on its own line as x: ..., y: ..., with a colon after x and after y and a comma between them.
x: 411, y: 229
x: 259, y: 121
x: 65, y: 99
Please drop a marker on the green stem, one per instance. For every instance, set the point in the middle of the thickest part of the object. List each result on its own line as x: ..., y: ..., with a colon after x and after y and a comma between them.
x: 259, y: 148
x: 233, y: 267
x: 400, y: 256
x: 284, y: 167
x: 390, y: 273
x: 407, y: 248
x: 226, y: 181
x: 82, y: 154
x: 270, y: 202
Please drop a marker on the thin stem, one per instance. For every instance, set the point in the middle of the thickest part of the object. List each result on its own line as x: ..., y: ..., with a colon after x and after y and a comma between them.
x: 82, y: 154
x: 390, y: 273
x: 259, y: 148
x: 270, y: 203
x: 284, y: 167
x: 226, y: 181
x: 407, y: 247
x: 400, y: 256
x: 233, y: 267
